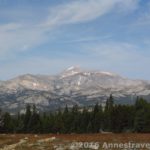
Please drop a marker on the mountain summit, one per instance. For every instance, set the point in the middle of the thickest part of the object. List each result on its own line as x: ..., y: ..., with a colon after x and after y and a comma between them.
x: 72, y: 86
x: 71, y: 71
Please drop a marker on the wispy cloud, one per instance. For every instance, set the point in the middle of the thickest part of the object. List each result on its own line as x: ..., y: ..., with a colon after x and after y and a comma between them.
x: 87, y: 10
x: 120, y: 57
x: 17, y: 36
x: 117, y: 57
x: 38, y: 65
x: 21, y: 33
x: 85, y: 39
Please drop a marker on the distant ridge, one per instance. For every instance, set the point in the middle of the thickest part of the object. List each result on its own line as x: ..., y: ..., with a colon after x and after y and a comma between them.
x: 72, y: 86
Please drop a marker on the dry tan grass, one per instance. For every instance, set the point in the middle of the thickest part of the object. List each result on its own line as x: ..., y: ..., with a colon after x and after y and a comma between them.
x: 8, y: 139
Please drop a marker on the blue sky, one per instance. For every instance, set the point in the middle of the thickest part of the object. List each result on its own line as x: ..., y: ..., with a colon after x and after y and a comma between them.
x: 48, y: 36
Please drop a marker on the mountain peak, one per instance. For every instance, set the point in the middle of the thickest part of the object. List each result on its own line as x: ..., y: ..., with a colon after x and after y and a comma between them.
x: 75, y: 68
x: 108, y: 73
x: 73, y: 86
x: 71, y: 71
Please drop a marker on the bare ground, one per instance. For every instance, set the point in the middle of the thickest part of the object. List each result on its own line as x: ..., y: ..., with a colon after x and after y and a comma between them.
x: 67, y: 141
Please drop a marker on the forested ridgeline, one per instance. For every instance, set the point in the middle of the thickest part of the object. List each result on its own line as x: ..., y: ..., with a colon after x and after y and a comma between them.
x: 112, y: 118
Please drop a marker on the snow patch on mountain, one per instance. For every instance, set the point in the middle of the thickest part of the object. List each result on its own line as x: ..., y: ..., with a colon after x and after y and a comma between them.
x: 72, y: 86
x: 107, y: 73
x: 70, y: 72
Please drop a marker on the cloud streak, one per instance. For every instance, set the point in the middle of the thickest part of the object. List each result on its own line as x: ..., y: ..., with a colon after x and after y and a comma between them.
x: 17, y: 37
x: 109, y: 53
x: 120, y: 57
x: 117, y: 57
x: 87, y: 10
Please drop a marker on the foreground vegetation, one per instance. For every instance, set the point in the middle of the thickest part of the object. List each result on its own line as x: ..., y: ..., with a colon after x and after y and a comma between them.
x: 67, y: 141
x: 112, y: 118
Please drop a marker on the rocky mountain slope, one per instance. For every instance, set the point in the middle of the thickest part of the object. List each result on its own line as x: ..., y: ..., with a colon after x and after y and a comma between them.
x: 72, y: 86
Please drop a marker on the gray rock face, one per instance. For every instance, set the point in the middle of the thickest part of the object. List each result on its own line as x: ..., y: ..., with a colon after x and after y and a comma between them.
x: 72, y: 86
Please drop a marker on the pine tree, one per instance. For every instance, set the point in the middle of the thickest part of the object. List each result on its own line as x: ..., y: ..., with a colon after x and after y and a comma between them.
x: 115, y: 118
x: 27, y: 118
x: 19, y: 123
x: 8, y: 123
x: 140, y: 121
x: 1, y: 122
x: 45, y: 123
x: 108, y: 113
x: 97, y: 118
x: 75, y: 119
x: 147, y: 126
x: 141, y: 116
x: 58, y: 122
x: 89, y: 128
x: 34, y: 122
x: 66, y: 120
x: 84, y: 120
x: 109, y: 103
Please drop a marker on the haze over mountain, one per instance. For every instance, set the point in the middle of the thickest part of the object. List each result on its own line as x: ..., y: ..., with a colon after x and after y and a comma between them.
x: 45, y: 36
x: 72, y: 86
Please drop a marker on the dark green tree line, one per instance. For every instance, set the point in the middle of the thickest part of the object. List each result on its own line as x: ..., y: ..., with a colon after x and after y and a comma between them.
x: 111, y: 118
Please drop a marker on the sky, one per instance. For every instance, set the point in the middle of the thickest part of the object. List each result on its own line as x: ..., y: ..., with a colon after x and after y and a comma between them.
x: 48, y: 36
